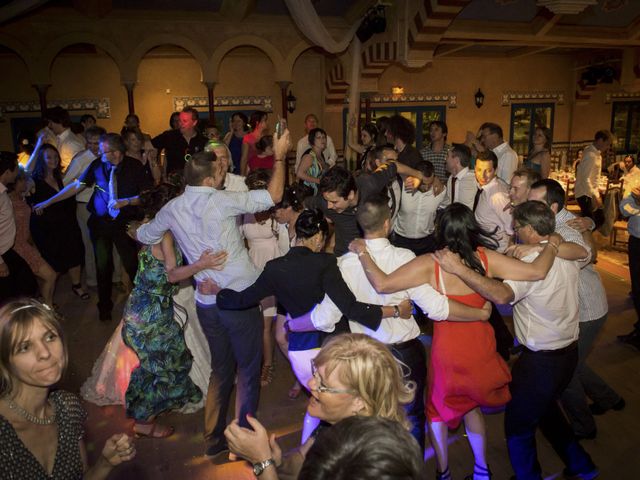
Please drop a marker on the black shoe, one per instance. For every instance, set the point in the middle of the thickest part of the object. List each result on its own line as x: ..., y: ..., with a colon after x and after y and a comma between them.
x: 629, y: 337
x: 587, y: 436
x: 581, y: 476
x: 217, y: 449
x: 598, y: 410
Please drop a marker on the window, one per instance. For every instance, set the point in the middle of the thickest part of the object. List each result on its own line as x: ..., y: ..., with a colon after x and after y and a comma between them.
x: 419, y: 116
x: 525, y: 118
x: 625, y: 125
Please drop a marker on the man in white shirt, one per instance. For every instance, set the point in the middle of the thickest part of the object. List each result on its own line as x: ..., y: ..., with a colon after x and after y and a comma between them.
x: 69, y: 144
x: 587, y: 176
x: 414, y: 224
x: 16, y: 278
x: 78, y: 165
x: 311, y: 122
x: 491, y: 200
x: 491, y: 137
x: 593, y: 309
x: 546, y: 324
x: 461, y: 184
x: 204, y: 217
x: 374, y: 217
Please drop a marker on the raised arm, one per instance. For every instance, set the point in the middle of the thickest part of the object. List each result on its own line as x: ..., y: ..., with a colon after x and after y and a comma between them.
x: 281, y: 146
x: 507, y: 268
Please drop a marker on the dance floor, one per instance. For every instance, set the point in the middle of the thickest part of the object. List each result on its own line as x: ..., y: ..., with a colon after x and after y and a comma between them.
x: 615, y: 450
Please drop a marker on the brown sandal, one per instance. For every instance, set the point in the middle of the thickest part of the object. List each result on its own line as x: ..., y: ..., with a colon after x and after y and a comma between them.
x: 266, y: 377
x: 153, y: 433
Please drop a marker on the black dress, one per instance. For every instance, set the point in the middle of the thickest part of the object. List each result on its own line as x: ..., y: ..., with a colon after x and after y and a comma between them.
x: 56, y: 232
x: 18, y: 463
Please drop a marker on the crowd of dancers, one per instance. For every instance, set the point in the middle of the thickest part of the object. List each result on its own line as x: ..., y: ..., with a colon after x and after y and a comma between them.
x: 341, y: 268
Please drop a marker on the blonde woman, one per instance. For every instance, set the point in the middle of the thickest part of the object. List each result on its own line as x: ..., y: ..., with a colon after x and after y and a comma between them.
x: 353, y: 374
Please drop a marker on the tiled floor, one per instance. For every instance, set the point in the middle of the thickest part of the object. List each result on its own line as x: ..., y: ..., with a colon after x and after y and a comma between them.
x: 615, y: 450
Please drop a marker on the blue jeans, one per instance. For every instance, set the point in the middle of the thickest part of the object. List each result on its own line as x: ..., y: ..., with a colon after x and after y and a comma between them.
x: 586, y: 383
x: 539, y: 378
x: 235, y: 340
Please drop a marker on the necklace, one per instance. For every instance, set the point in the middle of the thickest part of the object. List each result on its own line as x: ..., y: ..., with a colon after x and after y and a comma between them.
x: 30, y: 417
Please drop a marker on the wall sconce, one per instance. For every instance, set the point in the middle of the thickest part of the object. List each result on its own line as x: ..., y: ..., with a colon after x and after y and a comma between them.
x: 397, y: 90
x: 291, y: 102
x: 479, y: 98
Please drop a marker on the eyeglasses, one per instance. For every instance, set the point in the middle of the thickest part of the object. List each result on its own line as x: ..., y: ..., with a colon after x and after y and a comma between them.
x: 322, y: 388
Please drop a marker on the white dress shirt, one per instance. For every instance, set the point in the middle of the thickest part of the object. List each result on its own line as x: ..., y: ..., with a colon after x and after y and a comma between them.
x: 235, y: 183
x: 391, y: 330
x: 7, y: 222
x: 490, y: 212
x: 588, y: 173
x: 592, y: 297
x: 69, y: 144
x: 417, y: 215
x: 507, y: 161
x: 545, y: 312
x: 205, y: 218
x: 79, y: 164
x: 329, y: 153
x: 465, y: 188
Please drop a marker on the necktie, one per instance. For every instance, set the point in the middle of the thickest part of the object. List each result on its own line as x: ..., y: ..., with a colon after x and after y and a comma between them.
x: 453, y: 189
x: 113, y: 193
x: 477, y: 199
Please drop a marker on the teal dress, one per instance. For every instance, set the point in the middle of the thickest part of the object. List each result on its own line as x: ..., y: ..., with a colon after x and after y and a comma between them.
x: 315, y: 169
x: 161, y: 382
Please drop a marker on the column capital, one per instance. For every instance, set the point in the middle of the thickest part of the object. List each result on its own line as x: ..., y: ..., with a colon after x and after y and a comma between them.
x: 210, y: 84
x: 284, y: 83
x: 129, y: 85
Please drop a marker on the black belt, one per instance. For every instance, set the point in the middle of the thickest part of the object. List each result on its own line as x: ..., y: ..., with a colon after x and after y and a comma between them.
x: 559, y: 351
x: 404, y: 345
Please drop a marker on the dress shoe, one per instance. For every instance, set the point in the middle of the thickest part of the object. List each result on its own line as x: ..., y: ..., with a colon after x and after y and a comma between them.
x: 581, y: 476
x: 632, y: 339
x: 599, y: 410
x: 216, y: 449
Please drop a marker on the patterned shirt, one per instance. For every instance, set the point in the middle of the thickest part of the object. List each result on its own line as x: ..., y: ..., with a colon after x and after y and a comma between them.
x: 438, y: 159
x: 592, y: 298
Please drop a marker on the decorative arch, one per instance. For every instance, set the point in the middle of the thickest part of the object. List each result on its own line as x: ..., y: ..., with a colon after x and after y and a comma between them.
x: 21, y: 50
x: 54, y: 48
x: 213, y: 64
x: 133, y: 62
x: 293, y: 55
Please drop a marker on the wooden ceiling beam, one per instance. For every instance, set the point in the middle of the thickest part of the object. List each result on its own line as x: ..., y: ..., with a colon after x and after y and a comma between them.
x: 527, y: 51
x: 237, y: 10
x: 543, y: 23
x: 633, y: 31
x: 444, y: 50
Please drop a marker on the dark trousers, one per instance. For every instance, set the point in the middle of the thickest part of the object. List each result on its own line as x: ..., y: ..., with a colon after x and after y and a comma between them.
x: 105, y: 234
x: 504, y: 338
x: 235, y: 340
x: 587, y: 383
x: 20, y: 281
x: 419, y: 246
x: 586, y: 208
x: 634, y: 270
x: 413, y: 355
x: 538, y: 380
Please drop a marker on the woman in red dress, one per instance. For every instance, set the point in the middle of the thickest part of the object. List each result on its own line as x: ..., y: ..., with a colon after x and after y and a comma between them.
x: 465, y: 371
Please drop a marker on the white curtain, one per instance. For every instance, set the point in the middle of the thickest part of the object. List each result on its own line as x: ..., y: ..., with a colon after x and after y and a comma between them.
x: 306, y: 18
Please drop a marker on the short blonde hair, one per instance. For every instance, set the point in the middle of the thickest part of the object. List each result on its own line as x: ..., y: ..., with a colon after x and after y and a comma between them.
x: 367, y: 367
x: 16, y: 319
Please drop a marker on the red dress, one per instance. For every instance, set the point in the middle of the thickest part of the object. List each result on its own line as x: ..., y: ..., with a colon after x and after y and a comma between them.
x: 465, y: 371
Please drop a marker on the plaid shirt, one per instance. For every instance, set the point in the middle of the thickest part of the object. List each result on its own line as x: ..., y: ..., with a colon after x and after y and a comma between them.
x: 592, y: 298
x: 438, y: 159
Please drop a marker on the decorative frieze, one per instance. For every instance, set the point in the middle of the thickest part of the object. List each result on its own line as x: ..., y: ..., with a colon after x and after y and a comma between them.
x: 451, y: 99
x: 615, y: 96
x: 257, y: 102
x: 510, y: 97
x: 101, y: 106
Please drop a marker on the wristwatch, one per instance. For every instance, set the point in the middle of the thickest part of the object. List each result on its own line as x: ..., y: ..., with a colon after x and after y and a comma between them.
x: 396, y: 311
x: 260, y: 467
